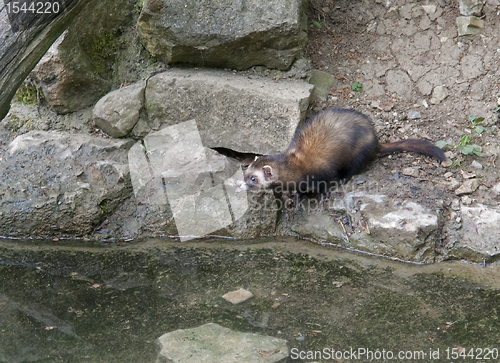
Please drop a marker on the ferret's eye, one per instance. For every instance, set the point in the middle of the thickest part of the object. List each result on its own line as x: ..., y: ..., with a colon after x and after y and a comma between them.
x: 253, y: 179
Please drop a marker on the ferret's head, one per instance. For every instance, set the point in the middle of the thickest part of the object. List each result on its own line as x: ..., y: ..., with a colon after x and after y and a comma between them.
x: 259, y: 175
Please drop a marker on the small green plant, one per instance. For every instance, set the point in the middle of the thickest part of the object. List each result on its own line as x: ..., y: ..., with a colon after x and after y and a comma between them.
x: 29, y: 94
x: 138, y: 6
x: 315, y: 23
x: 16, y: 124
x: 357, y: 87
x: 467, y: 145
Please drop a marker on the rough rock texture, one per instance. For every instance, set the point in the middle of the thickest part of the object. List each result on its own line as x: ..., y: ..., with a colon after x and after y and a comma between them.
x: 56, y: 184
x: 323, y: 82
x: 78, y: 69
x: 241, y: 113
x: 67, y: 89
x: 198, y: 183
x: 471, y: 7
x: 213, y: 343
x: 184, y: 189
x: 24, y: 38
x: 224, y: 33
x: 118, y: 112
x: 473, y: 233
x: 371, y: 223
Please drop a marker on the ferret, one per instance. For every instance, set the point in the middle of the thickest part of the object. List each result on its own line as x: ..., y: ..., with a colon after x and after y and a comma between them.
x: 331, y: 146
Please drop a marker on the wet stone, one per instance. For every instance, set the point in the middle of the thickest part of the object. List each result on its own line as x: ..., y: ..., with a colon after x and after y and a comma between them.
x: 212, y: 343
x: 238, y: 296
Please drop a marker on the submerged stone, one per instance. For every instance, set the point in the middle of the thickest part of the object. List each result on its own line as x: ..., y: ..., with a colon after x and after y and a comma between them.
x: 212, y: 343
x: 238, y: 296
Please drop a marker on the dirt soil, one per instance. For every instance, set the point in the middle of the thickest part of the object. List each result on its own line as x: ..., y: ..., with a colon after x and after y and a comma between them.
x: 399, y: 53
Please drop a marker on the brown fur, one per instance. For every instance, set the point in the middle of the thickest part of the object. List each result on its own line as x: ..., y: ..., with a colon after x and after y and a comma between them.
x: 331, y: 146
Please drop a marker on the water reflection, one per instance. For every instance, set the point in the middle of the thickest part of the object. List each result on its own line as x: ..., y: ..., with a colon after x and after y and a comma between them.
x: 76, y: 302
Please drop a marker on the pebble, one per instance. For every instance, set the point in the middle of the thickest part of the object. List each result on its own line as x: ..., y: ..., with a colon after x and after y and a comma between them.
x: 477, y: 165
x: 455, y: 204
x: 466, y: 200
x: 238, y: 296
x: 447, y: 163
x: 414, y: 172
x: 467, y: 175
x: 467, y: 187
x: 469, y: 25
x: 471, y: 7
x: 386, y: 106
x: 438, y: 94
x: 413, y: 115
x: 392, y: 12
x: 429, y: 9
x: 453, y: 184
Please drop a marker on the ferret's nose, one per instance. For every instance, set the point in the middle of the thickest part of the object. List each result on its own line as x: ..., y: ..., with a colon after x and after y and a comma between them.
x: 241, y: 186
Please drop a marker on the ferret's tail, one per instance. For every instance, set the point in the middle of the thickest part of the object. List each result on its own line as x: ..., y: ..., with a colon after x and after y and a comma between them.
x: 420, y: 146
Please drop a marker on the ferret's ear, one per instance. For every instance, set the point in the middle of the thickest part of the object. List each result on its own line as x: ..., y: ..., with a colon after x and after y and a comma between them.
x: 268, y: 172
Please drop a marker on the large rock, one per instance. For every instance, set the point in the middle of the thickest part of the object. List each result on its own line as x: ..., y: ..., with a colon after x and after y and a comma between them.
x: 68, y: 88
x: 241, y: 113
x: 58, y: 184
x: 212, y: 343
x: 199, y: 184
x: 371, y: 223
x: 224, y: 33
x: 24, y: 38
x: 118, y: 112
x: 471, y: 7
x: 472, y: 233
x: 184, y: 189
x: 81, y: 66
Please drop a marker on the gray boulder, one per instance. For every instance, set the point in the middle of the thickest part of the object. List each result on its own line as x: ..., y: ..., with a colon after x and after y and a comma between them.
x: 118, y: 112
x: 61, y: 184
x: 372, y: 223
x: 224, y: 33
x: 82, y: 66
x: 68, y: 88
x: 472, y: 233
x: 241, y: 113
